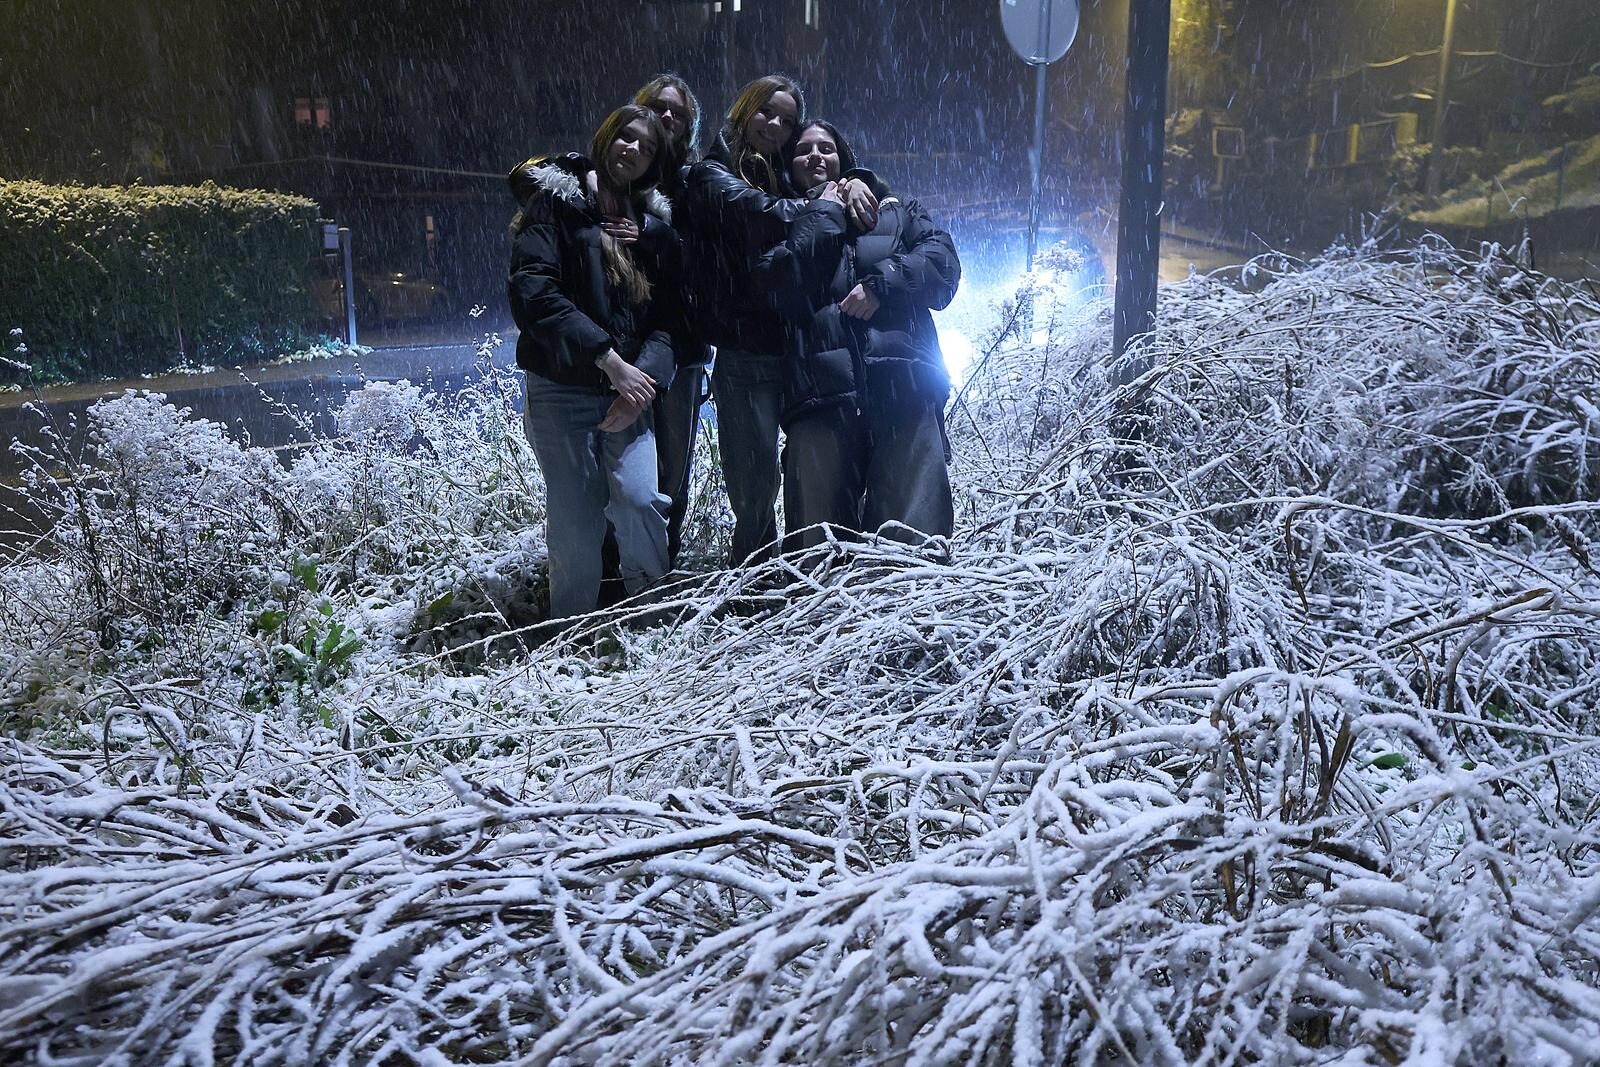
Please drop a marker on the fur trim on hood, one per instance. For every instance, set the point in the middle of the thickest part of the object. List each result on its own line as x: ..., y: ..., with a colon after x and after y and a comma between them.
x: 562, y: 178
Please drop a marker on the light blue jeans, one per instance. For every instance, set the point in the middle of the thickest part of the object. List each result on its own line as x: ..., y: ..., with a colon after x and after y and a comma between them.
x: 591, y: 477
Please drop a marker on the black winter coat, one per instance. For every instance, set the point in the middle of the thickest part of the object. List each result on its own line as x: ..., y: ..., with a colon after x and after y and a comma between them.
x: 699, y: 258
x: 731, y: 223
x: 889, y: 361
x: 569, y: 313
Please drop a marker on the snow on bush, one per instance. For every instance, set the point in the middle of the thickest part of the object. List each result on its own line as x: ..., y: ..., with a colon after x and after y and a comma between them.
x: 1250, y: 717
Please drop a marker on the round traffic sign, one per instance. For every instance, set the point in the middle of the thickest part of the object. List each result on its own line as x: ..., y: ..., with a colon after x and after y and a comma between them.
x: 1040, y: 31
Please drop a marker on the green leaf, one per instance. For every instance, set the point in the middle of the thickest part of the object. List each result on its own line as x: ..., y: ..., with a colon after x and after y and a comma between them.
x: 294, y: 655
x: 1388, y: 761
x: 306, y: 572
x: 435, y: 607
x: 341, y: 655
x: 268, y: 620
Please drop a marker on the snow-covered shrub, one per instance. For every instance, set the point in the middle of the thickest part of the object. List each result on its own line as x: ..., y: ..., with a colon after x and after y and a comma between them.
x: 435, y: 501
x: 1217, y: 735
x: 164, y: 517
x: 1424, y: 381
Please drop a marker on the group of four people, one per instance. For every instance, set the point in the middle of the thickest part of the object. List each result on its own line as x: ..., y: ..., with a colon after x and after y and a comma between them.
x: 807, y: 280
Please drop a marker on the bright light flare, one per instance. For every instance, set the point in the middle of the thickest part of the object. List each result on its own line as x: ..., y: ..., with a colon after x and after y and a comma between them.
x: 959, y: 351
x: 975, y: 314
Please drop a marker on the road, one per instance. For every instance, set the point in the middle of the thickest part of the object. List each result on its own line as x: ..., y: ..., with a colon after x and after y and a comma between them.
x: 248, y: 399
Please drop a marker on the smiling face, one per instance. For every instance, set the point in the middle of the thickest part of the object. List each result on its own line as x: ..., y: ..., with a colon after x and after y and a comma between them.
x: 672, y: 108
x: 815, y: 159
x: 631, y: 154
x: 770, y: 126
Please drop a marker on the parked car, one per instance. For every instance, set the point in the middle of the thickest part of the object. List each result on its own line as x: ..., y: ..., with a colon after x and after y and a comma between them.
x: 381, y: 296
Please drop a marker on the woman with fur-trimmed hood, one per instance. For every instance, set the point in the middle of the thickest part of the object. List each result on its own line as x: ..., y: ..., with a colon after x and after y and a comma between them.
x: 593, y: 289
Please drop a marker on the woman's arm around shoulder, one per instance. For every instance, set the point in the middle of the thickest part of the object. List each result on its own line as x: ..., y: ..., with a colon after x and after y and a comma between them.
x: 730, y: 200
x: 790, y: 274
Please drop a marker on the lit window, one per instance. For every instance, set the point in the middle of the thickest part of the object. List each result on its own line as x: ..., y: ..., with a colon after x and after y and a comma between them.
x: 716, y: 6
x: 814, y: 14
x: 313, y: 111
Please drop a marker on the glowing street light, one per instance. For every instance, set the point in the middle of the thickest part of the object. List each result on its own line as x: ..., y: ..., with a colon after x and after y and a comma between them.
x: 1441, y: 101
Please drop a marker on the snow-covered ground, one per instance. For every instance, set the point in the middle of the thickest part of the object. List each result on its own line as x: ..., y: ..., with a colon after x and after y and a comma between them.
x: 1250, y: 717
x: 1562, y: 179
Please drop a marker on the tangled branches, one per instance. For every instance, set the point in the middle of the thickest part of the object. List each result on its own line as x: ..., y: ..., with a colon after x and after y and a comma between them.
x: 1253, y: 722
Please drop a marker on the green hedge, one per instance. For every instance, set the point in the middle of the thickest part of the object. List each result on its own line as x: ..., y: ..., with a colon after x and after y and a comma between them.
x: 104, y: 281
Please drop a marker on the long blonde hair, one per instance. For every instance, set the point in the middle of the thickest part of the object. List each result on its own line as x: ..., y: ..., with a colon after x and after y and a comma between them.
x: 683, y: 150
x: 746, y: 162
x: 621, y: 270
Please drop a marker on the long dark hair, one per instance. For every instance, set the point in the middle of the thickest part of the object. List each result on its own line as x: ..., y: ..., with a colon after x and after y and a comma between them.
x: 745, y: 161
x: 621, y: 270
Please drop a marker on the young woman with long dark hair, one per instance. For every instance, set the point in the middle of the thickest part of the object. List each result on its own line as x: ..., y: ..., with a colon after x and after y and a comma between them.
x: 864, y: 382
x: 740, y: 202
x: 594, y: 267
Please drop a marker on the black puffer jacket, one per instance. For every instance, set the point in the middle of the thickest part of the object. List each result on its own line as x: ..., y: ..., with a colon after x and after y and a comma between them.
x: 731, y: 223
x: 569, y: 313
x: 691, y: 338
x: 888, y: 361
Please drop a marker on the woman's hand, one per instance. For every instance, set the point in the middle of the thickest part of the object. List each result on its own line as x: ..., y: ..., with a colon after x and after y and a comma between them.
x: 623, y: 230
x: 830, y: 192
x: 861, y: 203
x: 859, y: 303
x: 631, y: 383
x: 622, y: 414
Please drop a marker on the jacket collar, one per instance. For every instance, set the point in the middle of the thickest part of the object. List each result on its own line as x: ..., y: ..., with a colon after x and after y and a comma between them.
x: 564, y: 179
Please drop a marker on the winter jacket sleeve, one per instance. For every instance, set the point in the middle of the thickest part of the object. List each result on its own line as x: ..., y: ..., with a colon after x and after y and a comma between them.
x: 731, y: 202
x: 657, y: 360
x: 539, y: 301
x: 923, y: 272
x: 660, y: 252
x: 793, y: 276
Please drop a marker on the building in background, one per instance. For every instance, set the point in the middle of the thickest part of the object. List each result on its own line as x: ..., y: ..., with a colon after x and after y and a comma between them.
x: 401, y: 118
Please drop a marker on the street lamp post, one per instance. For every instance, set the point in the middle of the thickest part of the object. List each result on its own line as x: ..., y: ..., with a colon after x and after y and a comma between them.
x: 1441, y: 101
x: 729, y: 45
x: 1040, y: 32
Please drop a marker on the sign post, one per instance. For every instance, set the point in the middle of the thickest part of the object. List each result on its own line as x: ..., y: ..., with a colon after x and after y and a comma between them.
x: 1039, y: 31
x: 1144, y: 137
x: 349, y: 287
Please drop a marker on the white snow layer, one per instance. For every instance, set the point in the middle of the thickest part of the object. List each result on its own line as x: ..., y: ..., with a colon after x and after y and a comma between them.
x: 1250, y: 717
